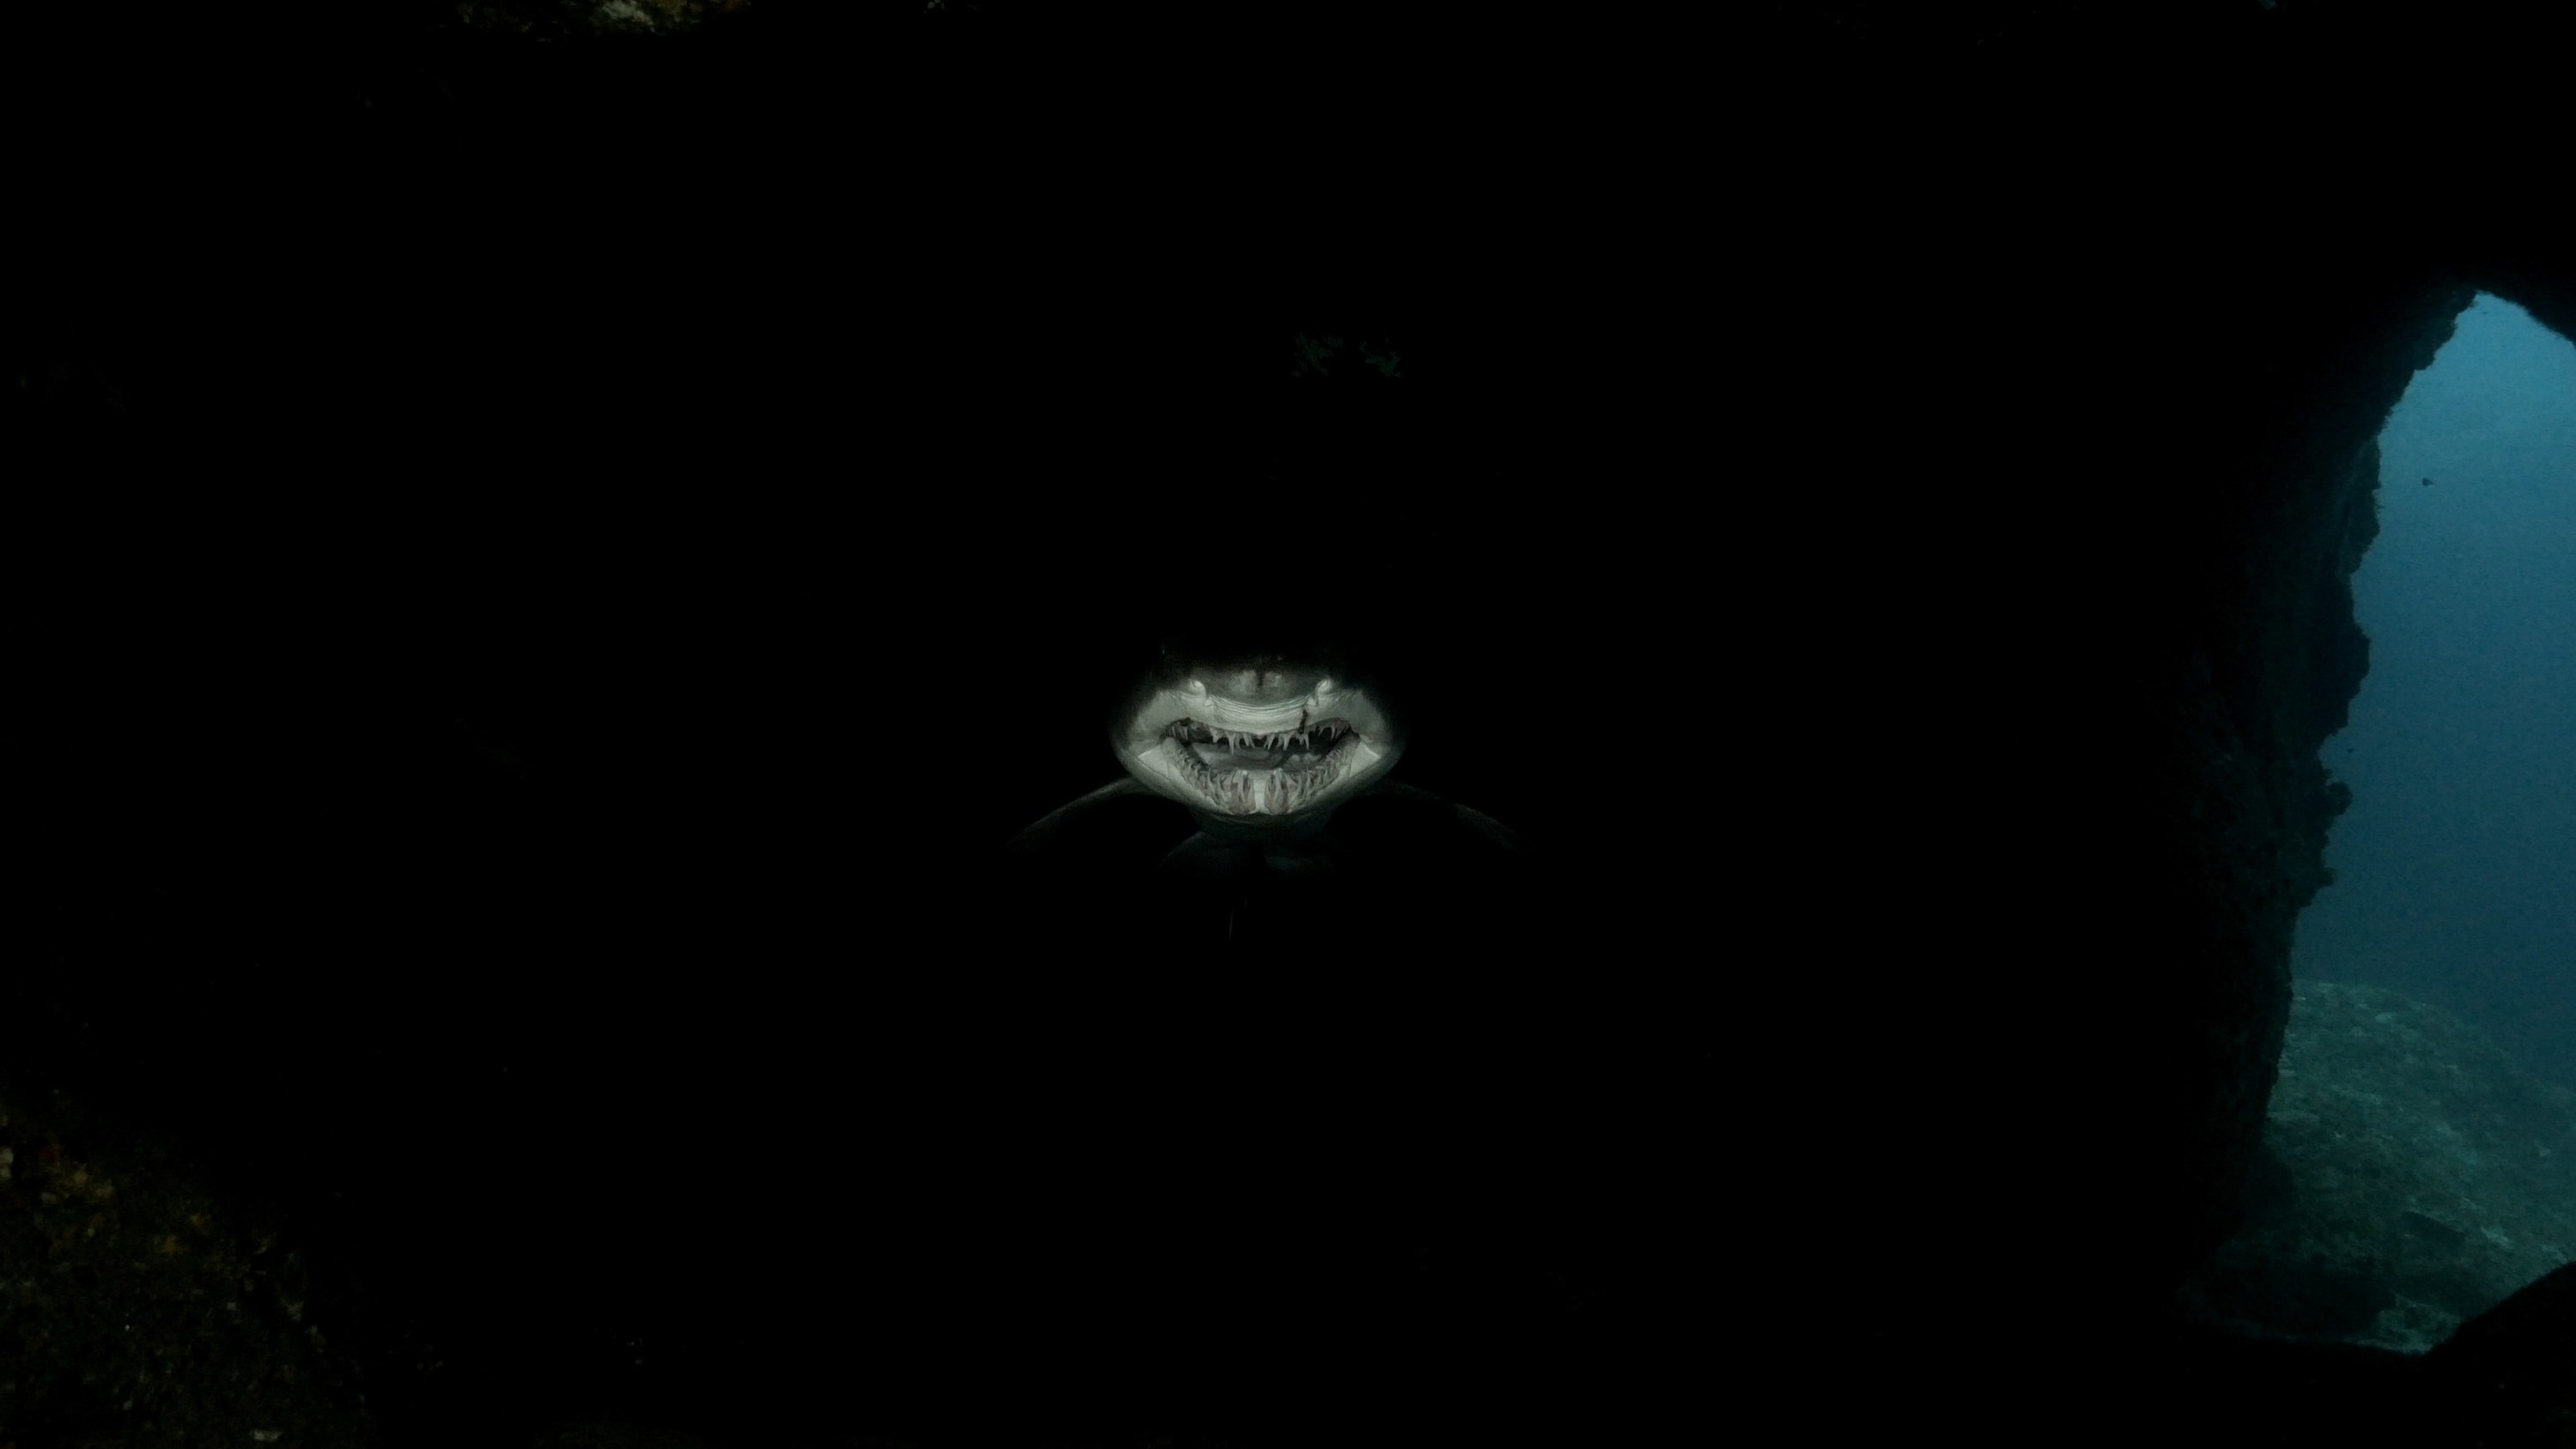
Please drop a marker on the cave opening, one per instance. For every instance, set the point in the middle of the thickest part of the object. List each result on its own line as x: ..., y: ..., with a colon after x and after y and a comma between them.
x: 2455, y: 867
x: 2419, y: 1144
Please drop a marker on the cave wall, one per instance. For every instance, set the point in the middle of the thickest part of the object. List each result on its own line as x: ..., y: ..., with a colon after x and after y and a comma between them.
x: 2270, y: 673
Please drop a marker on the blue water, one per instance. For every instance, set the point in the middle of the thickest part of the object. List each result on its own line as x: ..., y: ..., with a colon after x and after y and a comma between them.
x: 2456, y: 866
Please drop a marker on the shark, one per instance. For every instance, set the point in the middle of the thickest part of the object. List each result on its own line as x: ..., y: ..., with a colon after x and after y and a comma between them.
x: 1265, y: 750
x: 1241, y: 972
x: 1261, y: 748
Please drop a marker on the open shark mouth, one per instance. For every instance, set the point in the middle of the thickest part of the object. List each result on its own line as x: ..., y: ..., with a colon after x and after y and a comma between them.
x: 1261, y: 743
x: 1246, y: 774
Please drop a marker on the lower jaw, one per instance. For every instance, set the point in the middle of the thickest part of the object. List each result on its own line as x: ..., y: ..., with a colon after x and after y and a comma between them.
x: 1272, y: 790
x: 1279, y: 784
x: 1258, y: 794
